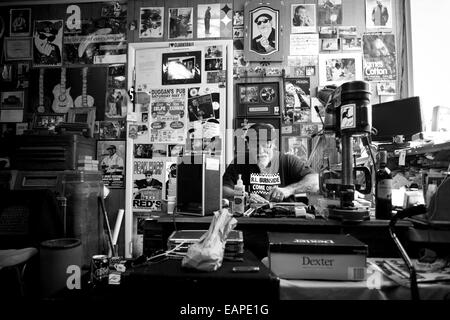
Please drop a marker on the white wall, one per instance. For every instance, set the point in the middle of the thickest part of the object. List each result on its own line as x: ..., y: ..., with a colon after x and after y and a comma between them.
x: 430, y: 35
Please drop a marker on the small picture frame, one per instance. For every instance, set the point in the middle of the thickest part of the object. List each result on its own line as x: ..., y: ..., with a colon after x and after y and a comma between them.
x: 18, y: 48
x: 48, y: 121
x: 20, y: 22
x: 82, y: 115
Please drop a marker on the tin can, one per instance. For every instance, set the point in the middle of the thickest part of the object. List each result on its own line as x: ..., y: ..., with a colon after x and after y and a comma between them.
x: 99, y: 270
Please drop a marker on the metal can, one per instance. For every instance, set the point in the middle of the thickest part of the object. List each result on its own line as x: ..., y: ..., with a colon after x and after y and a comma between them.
x: 99, y: 270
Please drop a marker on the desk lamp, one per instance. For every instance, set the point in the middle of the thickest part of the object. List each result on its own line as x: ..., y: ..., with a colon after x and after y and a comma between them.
x: 409, y: 212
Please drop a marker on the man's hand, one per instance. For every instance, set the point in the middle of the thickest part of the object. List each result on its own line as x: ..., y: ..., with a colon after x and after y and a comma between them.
x: 279, y: 194
x: 256, y: 198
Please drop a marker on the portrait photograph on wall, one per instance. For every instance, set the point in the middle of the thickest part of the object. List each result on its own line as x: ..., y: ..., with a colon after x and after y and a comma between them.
x: 378, y: 14
x: 111, y: 158
x: 180, y: 23
x: 151, y: 23
x: 339, y: 68
x: 303, y: 18
x: 181, y: 67
x: 208, y: 20
x: 264, y: 26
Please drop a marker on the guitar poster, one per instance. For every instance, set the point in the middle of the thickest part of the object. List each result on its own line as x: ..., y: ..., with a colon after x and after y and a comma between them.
x: 47, y: 43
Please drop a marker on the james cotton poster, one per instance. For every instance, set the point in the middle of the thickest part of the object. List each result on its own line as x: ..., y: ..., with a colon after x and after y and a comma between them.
x: 380, y: 61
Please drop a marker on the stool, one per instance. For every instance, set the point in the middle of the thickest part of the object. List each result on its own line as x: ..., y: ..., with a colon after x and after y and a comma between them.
x: 17, y: 259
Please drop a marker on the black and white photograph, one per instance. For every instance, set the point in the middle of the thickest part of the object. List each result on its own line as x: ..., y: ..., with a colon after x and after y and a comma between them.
x: 208, y: 20
x: 116, y: 103
x: 143, y: 151
x: 176, y: 150
x: 238, y: 18
x: 328, y: 32
x: 264, y: 26
x: 330, y: 12
x: 20, y: 22
x: 310, y: 71
x: 151, y: 23
x: 181, y: 23
x: 330, y: 44
x: 387, y: 88
x: 213, y: 64
x: 303, y: 18
x: 351, y: 44
x: 47, y: 40
x: 183, y: 67
x: 238, y: 32
x: 200, y: 108
x: 111, y: 162
x: 12, y: 100
x: 297, y: 100
x: 110, y: 129
x: 213, y: 52
x: 378, y: 14
x: 339, y: 68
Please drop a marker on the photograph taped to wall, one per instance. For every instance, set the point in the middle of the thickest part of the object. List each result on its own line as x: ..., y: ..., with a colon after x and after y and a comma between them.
x: 387, y: 88
x: 208, y: 20
x: 151, y: 23
x: 116, y: 104
x: 328, y: 32
x: 110, y: 129
x: 143, y: 151
x: 180, y: 23
x: 303, y: 18
x: 339, y: 68
x: 238, y: 18
x: 351, y: 44
x: 148, y: 177
x: 181, y: 67
x: 330, y: 12
x: 330, y: 44
x: 111, y: 162
x: 347, y: 31
x: 379, y: 14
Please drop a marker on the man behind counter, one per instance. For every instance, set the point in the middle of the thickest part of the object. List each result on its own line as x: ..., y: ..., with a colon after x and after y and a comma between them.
x: 267, y: 173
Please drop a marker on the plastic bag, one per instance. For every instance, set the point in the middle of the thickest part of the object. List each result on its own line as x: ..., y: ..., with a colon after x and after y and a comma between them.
x: 207, y: 254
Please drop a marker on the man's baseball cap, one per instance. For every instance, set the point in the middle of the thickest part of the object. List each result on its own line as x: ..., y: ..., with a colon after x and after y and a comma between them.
x: 111, y: 147
x: 265, y: 15
x: 262, y: 132
x: 150, y: 172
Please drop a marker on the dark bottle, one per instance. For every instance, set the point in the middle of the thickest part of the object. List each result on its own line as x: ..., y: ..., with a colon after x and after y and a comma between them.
x: 383, y: 190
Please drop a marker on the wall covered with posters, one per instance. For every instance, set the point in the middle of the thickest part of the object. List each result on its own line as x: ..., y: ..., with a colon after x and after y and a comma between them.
x: 74, y: 55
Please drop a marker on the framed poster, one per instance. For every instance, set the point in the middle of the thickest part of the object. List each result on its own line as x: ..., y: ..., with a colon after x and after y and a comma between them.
x: 330, y: 12
x: 264, y: 31
x: 47, y: 39
x: 18, y: 49
x: 339, y: 68
x: 258, y: 99
x: 111, y: 162
x: 20, y: 22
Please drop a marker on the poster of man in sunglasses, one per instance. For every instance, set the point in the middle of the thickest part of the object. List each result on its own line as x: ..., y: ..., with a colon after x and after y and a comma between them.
x: 47, y: 39
x: 264, y: 31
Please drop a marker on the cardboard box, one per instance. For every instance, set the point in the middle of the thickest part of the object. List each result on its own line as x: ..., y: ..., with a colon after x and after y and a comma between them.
x: 317, y: 256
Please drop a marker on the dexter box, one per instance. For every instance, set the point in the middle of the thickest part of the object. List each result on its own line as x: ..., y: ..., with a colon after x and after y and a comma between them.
x: 317, y: 256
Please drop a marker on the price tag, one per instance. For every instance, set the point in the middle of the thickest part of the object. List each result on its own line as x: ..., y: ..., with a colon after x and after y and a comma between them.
x: 402, y: 158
